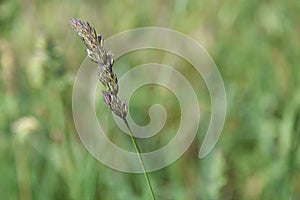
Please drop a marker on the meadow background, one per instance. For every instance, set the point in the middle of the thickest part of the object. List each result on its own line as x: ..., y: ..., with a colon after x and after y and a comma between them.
x: 256, y: 46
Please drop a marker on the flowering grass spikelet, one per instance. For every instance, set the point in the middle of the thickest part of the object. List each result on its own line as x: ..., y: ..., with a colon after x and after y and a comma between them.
x: 94, y: 43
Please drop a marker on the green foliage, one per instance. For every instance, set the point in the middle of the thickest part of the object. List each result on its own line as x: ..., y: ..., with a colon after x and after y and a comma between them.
x: 256, y: 46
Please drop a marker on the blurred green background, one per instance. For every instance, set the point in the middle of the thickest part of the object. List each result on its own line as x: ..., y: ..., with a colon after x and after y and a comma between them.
x: 256, y: 47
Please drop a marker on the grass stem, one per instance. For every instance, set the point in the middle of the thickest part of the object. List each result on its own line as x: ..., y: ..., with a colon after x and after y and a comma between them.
x: 138, y: 151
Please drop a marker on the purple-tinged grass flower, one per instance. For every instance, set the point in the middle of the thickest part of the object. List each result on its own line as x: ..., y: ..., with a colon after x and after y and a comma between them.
x: 105, y: 59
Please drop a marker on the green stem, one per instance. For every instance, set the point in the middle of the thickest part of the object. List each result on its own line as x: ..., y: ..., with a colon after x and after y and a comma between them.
x: 138, y: 151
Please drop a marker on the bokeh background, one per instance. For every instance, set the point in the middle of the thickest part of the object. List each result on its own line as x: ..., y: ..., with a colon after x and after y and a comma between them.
x: 256, y: 47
